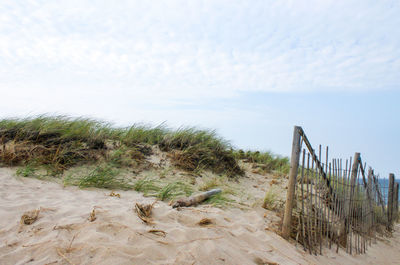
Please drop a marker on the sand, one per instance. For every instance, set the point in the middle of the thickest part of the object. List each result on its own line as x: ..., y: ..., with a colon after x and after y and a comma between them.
x: 64, y: 233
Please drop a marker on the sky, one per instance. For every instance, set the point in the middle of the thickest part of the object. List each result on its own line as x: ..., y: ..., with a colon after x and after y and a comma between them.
x: 251, y: 70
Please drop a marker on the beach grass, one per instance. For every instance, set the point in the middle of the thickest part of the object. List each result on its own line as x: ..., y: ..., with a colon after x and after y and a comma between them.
x: 64, y: 142
x: 220, y: 200
x: 148, y: 186
x: 26, y: 171
x: 101, y: 176
x: 270, y: 199
x: 173, y: 190
x: 58, y: 143
x: 162, y: 190
x: 267, y: 161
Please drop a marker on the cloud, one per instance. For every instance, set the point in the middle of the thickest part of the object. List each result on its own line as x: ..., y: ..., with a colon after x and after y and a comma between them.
x: 189, y: 50
x: 250, y: 69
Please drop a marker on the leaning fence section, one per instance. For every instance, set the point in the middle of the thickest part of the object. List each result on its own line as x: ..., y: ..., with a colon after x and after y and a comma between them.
x: 335, y: 203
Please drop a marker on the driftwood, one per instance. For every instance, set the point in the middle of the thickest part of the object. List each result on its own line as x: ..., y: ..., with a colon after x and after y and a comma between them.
x: 195, y: 199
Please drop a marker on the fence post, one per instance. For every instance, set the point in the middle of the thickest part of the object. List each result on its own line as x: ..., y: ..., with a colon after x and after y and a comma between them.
x: 371, y: 224
x: 396, y: 201
x: 378, y: 191
x: 350, y: 203
x: 390, y: 201
x: 354, y: 172
x: 294, y: 166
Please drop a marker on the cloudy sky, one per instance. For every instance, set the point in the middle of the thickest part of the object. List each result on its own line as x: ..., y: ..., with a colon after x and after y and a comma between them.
x: 250, y: 69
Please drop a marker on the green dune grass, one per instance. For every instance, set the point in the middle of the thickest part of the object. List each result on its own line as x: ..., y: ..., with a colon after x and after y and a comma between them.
x: 61, y: 142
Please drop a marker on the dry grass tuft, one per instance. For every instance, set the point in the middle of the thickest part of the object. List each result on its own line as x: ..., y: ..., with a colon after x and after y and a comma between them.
x: 205, y: 221
x: 270, y: 200
x: 144, y: 212
x: 196, y: 158
x: 113, y: 194
x: 92, y: 216
x: 274, y: 182
x: 30, y: 217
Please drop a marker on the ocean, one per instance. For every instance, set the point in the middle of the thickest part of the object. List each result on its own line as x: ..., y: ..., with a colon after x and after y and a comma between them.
x: 384, y: 184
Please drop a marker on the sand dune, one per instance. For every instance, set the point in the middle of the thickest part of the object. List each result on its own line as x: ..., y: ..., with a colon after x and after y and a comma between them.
x: 63, y: 233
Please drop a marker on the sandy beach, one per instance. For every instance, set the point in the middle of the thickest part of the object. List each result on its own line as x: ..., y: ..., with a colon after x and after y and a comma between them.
x: 63, y: 233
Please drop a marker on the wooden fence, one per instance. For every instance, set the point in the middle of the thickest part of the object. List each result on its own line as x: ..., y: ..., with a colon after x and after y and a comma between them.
x: 335, y: 203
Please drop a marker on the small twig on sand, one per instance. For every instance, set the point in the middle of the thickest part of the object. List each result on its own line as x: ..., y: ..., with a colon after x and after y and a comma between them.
x: 158, y: 241
x: 69, y: 249
x: 197, y: 239
x: 158, y: 232
x: 179, y: 242
x: 63, y: 256
x: 37, y: 244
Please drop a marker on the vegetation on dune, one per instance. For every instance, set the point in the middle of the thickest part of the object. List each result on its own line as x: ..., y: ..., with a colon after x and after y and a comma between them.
x: 265, y: 160
x: 173, y: 190
x: 270, y: 199
x: 220, y: 200
x: 149, y: 187
x: 200, y: 149
x: 163, y: 191
x: 103, y: 177
x: 142, y: 134
x: 26, y: 171
x: 217, y: 182
x: 63, y: 142
x: 197, y: 158
x: 128, y: 157
x: 57, y: 143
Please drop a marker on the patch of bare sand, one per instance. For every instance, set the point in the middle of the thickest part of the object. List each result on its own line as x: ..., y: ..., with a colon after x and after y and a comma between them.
x: 90, y: 227
x: 384, y: 251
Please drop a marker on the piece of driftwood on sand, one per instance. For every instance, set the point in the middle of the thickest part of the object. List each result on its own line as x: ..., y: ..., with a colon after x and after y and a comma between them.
x: 195, y: 199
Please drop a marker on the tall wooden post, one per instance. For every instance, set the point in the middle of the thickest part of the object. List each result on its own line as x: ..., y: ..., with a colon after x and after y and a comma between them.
x: 349, y: 209
x: 372, y: 227
x: 350, y: 195
x: 380, y: 198
x: 396, y: 201
x: 390, y: 201
x: 370, y: 201
x: 294, y: 166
